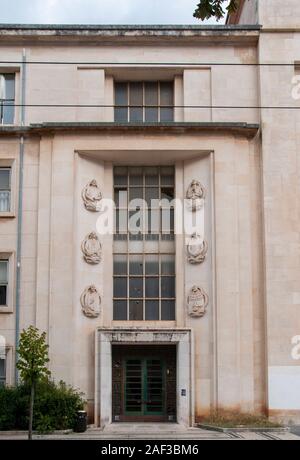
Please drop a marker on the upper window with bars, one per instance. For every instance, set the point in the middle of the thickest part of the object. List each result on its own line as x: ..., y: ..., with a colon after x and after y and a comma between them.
x: 2, y: 372
x: 5, y: 189
x: 3, y: 282
x: 144, y: 257
x: 7, y: 99
x: 144, y: 102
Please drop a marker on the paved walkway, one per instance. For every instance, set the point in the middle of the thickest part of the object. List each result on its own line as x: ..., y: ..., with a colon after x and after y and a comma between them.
x: 159, y: 432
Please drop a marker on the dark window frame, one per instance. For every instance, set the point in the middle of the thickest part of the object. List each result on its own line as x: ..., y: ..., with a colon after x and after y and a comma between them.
x: 6, y: 190
x: 139, y: 276
x: 3, y: 376
x: 7, y: 117
x: 129, y: 109
x: 4, y: 285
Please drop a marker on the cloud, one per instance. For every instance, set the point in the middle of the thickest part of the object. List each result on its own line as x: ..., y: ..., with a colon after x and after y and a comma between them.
x: 98, y: 11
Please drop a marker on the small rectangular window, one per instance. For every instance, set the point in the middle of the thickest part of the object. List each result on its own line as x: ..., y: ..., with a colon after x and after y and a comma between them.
x: 3, y: 282
x: 5, y: 189
x: 7, y: 98
x: 2, y: 372
x: 138, y: 102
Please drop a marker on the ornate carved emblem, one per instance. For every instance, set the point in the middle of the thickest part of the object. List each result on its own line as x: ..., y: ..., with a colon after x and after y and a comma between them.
x: 92, y: 196
x: 197, y: 302
x: 197, y: 249
x: 92, y: 249
x: 91, y: 301
x: 195, y: 196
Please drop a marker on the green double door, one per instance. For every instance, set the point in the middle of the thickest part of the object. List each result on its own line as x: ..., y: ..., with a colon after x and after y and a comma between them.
x: 144, y: 387
x: 143, y: 383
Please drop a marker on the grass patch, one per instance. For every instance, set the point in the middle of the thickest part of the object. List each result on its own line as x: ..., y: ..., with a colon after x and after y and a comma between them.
x: 222, y: 419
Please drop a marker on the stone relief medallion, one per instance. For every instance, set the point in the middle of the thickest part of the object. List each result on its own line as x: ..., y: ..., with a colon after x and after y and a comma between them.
x: 92, y: 249
x: 195, y: 196
x: 91, y: 301
x: 197, y: 249
x: 197, y: 302
x: 92, y: 196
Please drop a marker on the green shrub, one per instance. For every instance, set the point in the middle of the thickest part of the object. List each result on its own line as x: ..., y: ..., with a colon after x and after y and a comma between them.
x: 8, y: 408
x: 44, y: 424
x: 55, y: 407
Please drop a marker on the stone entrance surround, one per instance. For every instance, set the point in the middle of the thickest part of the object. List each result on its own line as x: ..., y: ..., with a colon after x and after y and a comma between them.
x: 105, y: 338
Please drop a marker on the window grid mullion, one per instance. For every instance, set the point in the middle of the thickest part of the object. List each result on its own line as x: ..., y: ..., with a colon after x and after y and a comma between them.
x: 128, y: 104
x: 159, y: 245
x: 143, y: 102
x: 128, y: 247
x: 158, y: 109
x: 144, y: 262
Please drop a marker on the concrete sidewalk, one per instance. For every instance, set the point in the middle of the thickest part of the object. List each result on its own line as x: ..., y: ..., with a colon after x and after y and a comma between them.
x: 158, y: 432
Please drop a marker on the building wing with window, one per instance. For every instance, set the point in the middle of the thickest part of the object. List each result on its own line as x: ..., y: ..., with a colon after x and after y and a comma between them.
x: 149, y: 212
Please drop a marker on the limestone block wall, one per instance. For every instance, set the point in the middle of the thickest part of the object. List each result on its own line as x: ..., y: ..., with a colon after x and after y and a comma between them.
x: 202, y: 276
x: 197, y: 92
x: 277, y: 14
x: 9, y: 156
x: 281, y: 174
x: 29, y: 233
x: 85, y: 275
x: 80, y: 84
x: 249, y: 13
x: 229, y: 340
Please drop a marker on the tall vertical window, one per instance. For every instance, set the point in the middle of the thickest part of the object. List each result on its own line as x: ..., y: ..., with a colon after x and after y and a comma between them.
x: 138, y: 102
x: 3, y: 282
x: 2, y: 372
x: 7, y: 98
x: 144, y: 259
x: 5, y: 189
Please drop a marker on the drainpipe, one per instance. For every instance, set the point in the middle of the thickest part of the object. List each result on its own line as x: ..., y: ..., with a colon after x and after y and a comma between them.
x: 20, y: 212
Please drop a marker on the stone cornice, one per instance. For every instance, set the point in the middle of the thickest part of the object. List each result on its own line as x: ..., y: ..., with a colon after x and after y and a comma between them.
x: 243, y: 129
x: 38, y: 34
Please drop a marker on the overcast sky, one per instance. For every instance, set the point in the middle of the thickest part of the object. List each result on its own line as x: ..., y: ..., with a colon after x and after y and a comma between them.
x: 98, y: 11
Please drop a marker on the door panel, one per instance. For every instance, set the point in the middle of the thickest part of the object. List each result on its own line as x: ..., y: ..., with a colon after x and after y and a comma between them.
x: 134, y: 387
x: 154, y: 390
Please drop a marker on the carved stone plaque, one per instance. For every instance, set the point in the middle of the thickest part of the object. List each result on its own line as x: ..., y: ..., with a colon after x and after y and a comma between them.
x: 195, y: 196
x: 92, y: 249
x: 197, y: 302
x: 91, y: 302
x: 196, y: 249
x: 92, y: 196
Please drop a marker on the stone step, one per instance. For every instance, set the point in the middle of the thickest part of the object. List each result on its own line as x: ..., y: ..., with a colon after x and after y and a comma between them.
x: 159, y: 432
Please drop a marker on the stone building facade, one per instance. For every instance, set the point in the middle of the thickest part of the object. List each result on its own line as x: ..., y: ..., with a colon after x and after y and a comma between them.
x: 170, y: 326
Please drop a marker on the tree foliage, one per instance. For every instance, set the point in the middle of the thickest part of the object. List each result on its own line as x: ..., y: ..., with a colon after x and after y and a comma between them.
x: 33, y: 356
x: 32, y: 363
x: 207, y: 9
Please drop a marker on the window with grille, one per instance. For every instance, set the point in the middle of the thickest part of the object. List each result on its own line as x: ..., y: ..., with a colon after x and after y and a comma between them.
x: 138, y: 102
x: 144, y: 260
x: 2, y: 372
x: 7, y: 98
x: 3, y: 282
x: 5, y: 189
